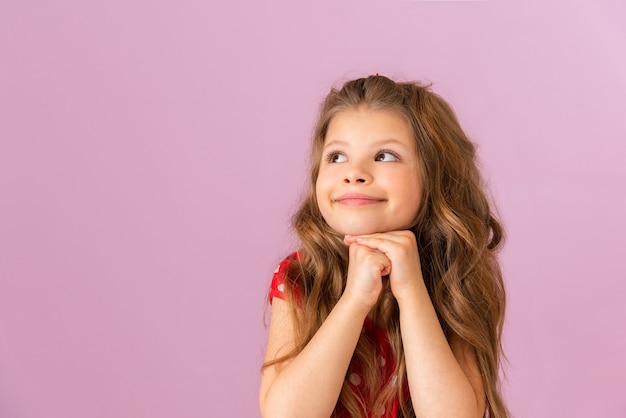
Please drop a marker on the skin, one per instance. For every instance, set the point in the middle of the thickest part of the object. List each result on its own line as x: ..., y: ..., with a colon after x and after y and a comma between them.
x: 369, y: 152
x: 444, y: 379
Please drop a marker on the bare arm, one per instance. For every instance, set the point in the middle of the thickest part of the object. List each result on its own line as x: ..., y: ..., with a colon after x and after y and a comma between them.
x: 309, y: 384
x: 444, y: 381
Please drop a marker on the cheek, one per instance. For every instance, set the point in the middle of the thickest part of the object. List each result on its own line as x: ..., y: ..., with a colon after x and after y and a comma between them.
x: 408, y: 188
x: 321, y: 193
x: 401, y: 182
x: 322, y: 185
x: 319, y: 188
x: 417, y: 199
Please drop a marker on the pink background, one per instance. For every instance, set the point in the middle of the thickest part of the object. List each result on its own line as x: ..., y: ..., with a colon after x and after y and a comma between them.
x: 151, y: 154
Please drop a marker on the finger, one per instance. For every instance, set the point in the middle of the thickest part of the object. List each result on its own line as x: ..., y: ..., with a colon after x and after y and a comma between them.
x: 383, y: 245
x: 396, y: 236
x: 355, y: 247
x: 381, y: 259
x: 382, y: 262
x: 349, y: 239
x: 389, y: 245
x: 402, y: 233
x: 352, y: 242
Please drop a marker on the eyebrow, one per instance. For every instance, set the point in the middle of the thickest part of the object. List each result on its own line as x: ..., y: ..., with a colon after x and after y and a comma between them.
x: 376, y: 144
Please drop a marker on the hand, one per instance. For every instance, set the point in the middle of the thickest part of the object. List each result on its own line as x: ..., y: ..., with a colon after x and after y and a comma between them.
x: 366, y: 268
x: 400, y: 248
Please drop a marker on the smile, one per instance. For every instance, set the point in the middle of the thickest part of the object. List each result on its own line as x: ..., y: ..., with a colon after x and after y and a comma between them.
x: 357, y: 199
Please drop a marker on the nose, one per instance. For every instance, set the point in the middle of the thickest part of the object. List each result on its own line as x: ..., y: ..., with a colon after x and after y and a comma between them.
x: 357, y: 174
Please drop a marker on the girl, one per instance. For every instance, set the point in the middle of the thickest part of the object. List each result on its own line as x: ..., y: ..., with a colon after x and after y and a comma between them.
x: 394, y: 305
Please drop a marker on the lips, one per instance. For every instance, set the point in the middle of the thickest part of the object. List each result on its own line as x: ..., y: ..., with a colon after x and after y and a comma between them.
x: 358, y: 199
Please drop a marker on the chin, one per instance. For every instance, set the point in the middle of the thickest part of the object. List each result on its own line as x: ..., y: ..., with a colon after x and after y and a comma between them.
x: 360, y: 230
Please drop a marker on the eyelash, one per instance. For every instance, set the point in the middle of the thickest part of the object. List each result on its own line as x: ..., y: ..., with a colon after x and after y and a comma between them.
x: 386, y: 151
x: 329, y: 156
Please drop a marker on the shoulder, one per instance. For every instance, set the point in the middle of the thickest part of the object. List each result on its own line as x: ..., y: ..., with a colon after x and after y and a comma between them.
x: 286, y: 262
x: 280, y: 279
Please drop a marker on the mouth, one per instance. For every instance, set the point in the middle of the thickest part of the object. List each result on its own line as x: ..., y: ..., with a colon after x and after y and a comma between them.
x: 358, y: 199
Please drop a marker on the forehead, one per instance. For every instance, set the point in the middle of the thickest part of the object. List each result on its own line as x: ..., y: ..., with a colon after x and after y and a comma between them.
x: 365, y: 125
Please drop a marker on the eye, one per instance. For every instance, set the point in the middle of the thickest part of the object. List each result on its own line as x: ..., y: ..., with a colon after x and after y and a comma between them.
x: 386, y: 156
x: 335, y: 157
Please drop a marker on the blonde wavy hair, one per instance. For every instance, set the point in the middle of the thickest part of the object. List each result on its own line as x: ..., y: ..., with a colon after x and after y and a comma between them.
x: 457, y: 236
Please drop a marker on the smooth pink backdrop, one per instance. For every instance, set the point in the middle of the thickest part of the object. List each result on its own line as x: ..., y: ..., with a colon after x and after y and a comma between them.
x: 151, y: 153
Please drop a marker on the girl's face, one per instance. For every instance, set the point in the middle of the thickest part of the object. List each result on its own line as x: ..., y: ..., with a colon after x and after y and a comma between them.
x: 369, y: 178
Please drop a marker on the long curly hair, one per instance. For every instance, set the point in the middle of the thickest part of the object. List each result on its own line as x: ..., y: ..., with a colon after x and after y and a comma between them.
x: 457, y: 235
